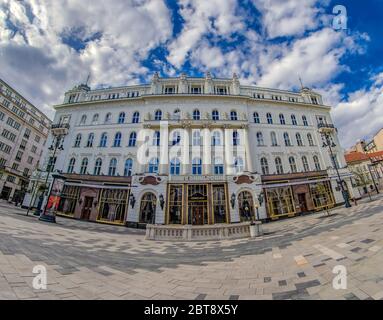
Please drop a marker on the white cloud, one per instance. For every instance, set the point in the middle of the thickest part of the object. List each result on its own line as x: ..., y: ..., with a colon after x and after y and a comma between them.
x: 361, y: 114
x: 121, y: 33
x: 216, y: 17
x: 290, y: 17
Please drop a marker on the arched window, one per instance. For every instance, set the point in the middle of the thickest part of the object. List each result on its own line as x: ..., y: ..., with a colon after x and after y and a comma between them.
x: 293, y: 165
x: 84, y: 166
x: 175, y: 167
x: 176, y: 138
x: 177, y: 114
x: 236, y: 139
x: 196, y: 138
x: 77, y: 141
x: 305, y: 163
x: 108, y: 118
x: 132, y: 139
x: 278, y: 165
x: 274, y: 141
x: 197, y: 166
x: 112, y: 167
x: 121, y: 117
x: 286, y: 137
x: 128, y: 167
x: 317, y: 163
x: 89, y: 143
x: 72, y: 162
x: 269, y: 118
x: 260, y: 141
x: 156, y: 138
x: 299, y: 139
x: 256, y: 117
x: 95, y: 118
x: 83, y: 119
x: 264, y: 166
x: 304, y: 119
x: 215, y: 115
x: 158, y: 115
x: 293, y: 120
x: 136, y: 117
x: 233, y: 115
x: 196, y: 115
x: 282, y: 119
x: 218, y: 166
x: 239, y: 165
x: 103, y: 140
x: 216, y: 138
x: 310, y: 139
x: 117, y: 140
x: 97, y: 167
x: 153, y: 165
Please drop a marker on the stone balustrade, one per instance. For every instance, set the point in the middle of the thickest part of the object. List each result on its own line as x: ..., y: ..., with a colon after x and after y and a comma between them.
x: 205, y: 232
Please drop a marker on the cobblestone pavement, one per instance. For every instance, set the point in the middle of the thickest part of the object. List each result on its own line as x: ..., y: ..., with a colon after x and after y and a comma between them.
x: 293, y: 260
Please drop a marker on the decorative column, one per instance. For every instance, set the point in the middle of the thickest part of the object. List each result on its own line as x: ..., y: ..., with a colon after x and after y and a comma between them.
x: 185, y: 161
x: 164, y: 147
x: 228, y: 150
x: 249, y: 164
x: 206, y: 160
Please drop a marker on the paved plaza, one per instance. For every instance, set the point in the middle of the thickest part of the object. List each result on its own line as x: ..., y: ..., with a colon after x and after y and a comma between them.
x: 293, y: 260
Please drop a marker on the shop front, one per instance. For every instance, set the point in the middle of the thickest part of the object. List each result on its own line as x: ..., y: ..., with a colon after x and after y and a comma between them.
x: 296, y: 194
x: 88, y: 198
x: 197, y: 204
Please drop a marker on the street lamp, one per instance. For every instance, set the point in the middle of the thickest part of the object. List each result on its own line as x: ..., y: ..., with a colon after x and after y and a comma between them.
x: 373, y: 178
x: 328, y: 142
x: 56, y: 145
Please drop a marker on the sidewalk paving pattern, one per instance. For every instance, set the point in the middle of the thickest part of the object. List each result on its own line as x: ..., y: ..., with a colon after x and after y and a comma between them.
x: 293, y: 260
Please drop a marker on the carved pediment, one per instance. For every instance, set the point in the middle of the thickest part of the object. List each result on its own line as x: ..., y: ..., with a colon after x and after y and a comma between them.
x: 149, y: 180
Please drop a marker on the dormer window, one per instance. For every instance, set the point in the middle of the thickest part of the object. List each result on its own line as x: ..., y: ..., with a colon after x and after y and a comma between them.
x: 114, y: 96
x: 221, y: 90
x: 196, y: 90
x: 72, y: 98
x: 314, y: 100
x: 170, y: 90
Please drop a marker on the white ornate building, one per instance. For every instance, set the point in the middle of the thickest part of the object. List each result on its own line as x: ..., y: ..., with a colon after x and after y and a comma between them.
x: 195, y: 151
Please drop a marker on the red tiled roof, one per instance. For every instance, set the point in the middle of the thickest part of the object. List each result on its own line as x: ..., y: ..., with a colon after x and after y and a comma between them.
x: 376, y: 156
x: 356, y: 157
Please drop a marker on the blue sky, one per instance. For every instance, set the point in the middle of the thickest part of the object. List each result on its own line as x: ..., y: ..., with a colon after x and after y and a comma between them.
x: 47, y: 47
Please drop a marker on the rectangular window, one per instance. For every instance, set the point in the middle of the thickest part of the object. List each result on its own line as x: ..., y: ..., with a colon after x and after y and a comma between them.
x: 37, y: 139
x: 11, y: 179
x: 30, y: 160
x: 23, y: 144
x: 15, y: 166
x: 19, y: 156
x: 27, y: 133
x: 2, y: 116
x: 5, y: 148
x: 26, y: 172
x: 34, y: 149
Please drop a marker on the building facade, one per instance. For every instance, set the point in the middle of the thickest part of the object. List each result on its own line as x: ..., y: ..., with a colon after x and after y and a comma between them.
x: 367, y: 170
x: 23, y: 133
x: 195, y: 151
